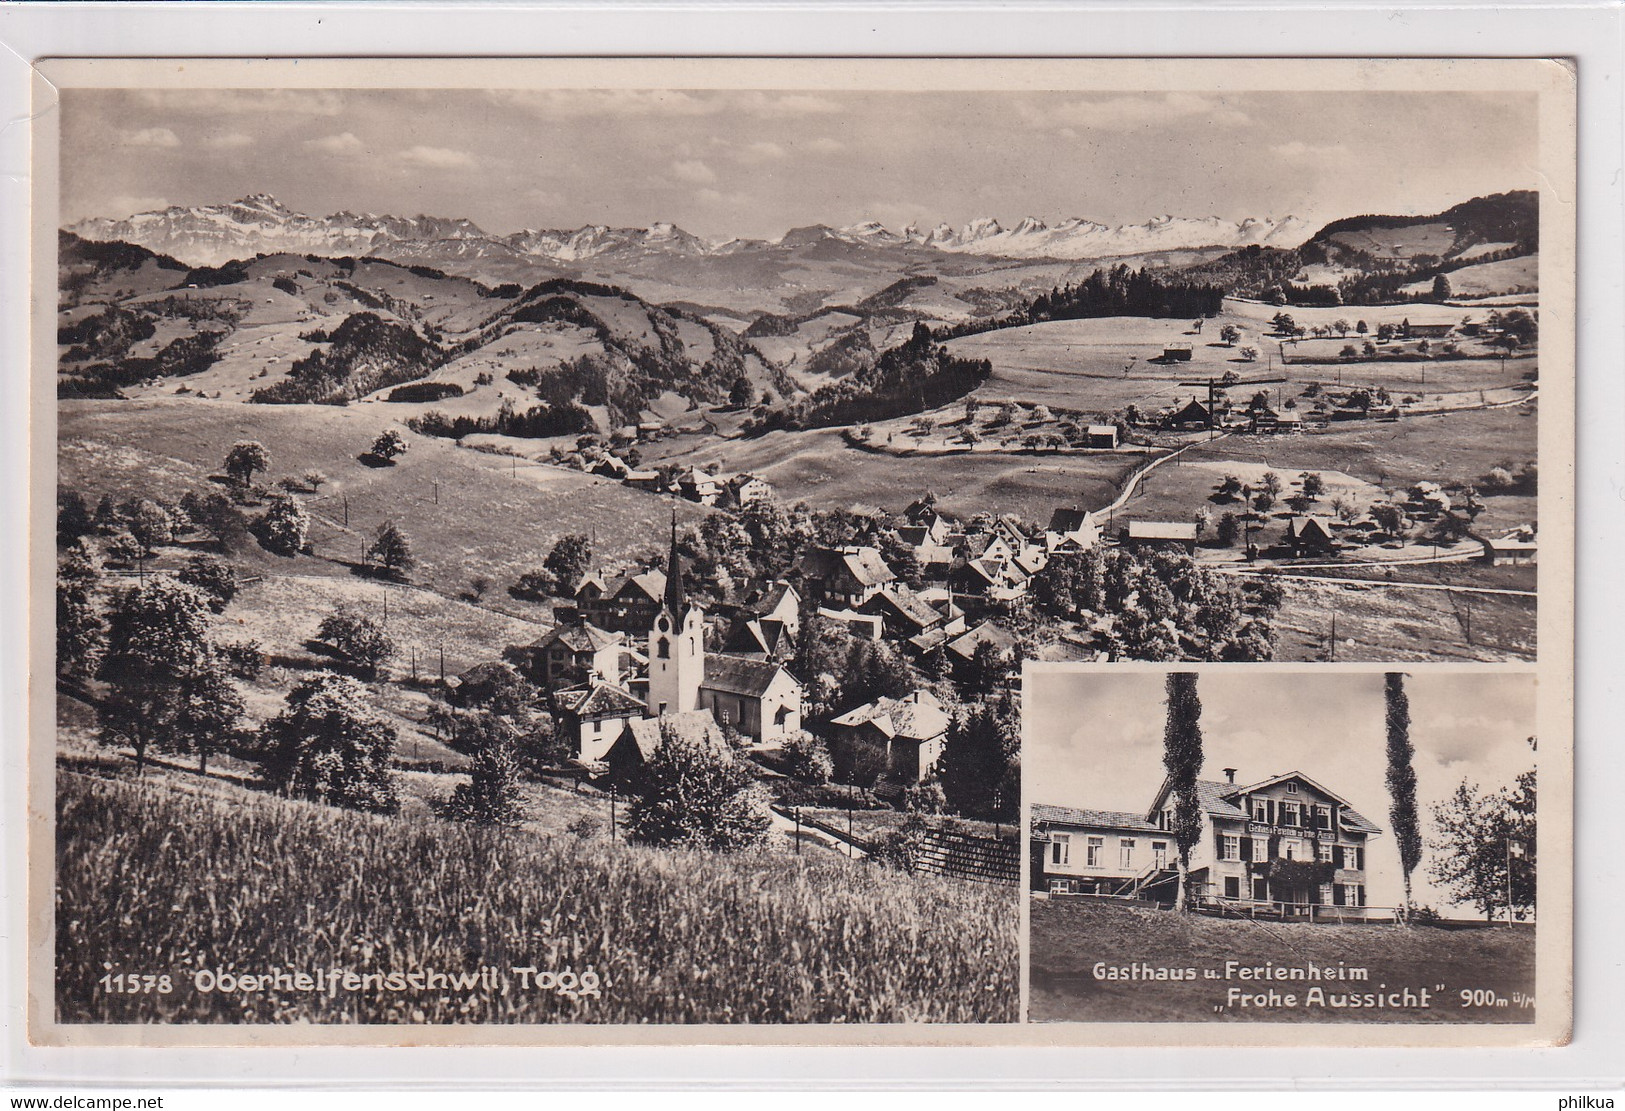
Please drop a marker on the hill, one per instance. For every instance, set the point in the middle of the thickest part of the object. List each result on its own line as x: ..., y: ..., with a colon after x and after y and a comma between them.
x: 1070, y: 937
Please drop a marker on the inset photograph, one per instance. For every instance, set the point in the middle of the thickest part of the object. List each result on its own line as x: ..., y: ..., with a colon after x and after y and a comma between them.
x: 1227, y: 844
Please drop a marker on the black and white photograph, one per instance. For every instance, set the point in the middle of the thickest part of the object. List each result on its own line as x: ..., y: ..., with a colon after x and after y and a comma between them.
x: 1231, y: 845
x: 558, y: 544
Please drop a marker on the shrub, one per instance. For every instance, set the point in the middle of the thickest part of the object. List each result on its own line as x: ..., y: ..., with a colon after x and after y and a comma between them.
x: 243, y: 658
x: 694, y: 791
x: 285, y: 527
x: 246, y: 457
x: 425, y: 391
x: 806, y: 757
x: 491, y: 797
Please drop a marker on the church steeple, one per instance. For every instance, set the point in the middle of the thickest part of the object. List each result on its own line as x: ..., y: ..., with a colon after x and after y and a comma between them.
x: 676, y: 602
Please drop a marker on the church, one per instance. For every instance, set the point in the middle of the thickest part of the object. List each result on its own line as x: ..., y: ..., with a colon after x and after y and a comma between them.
x: 753, y: 695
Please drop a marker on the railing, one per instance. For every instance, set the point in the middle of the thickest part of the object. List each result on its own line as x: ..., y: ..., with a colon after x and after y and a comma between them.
x: 1275, y: 911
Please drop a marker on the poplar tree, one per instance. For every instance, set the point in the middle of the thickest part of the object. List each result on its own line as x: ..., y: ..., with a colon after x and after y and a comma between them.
x: 1402, y: 783
x: 1182, y: 757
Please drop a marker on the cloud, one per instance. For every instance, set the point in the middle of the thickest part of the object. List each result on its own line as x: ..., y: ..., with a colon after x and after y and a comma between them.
x: 786, y: 104
x: 825, y: 145
x: 218, y: 102
x: 694, y: 171
x: 150, y: 137
x: 437, y: 158
x: 126, y: 205
x: 1127, y: 113
x: 1310, y: 153
x: 343, y: 143
x: 764, y: 151
x: 718, y: 197
x: 232, y: 140
x: 564, y: 103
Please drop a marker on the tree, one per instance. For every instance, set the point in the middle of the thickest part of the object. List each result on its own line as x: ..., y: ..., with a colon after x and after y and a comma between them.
x: 207, y: 712
x: 1313, y: 485
x: 1202, y: 519
x: 1271, y: 482
x: 73, y: 517
x: 358, y: 638
x: 1226, y: 529
x: 389, y: 444
x: 740, y: 394
x: 807, y: 758
x: 285, y: 527
x: 149, y: 523
x: 492, y: 796
x: 982, y: 740
x: 1341, y: 327
x: 79, y: 625
x: 1182, y: 758
x: 329, y: 744
x: 696, y: 791
x: 391, y: 550
x: 1362, y: 327
x: 568, y: 562
x: 157, y: 644
x: 1485, y: 851
x: 1230, y: 487
x: 315, y: 480
x: 1348, y: 352
x: 1249, y: 354
x: 1229, y: 334
x: 1368, y: 349
x: 214, y: 577
x: 1441, y: 288
x: 1390, y: 518
x: 246, y: 457
x: 1402, y: 782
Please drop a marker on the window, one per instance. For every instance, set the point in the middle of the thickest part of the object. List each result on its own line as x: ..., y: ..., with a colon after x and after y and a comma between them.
x: 663, y: 649
x: 1060, y: 848
x: 1060, y: 887
x: 662, y: 711
x: 1232, y: 887
x: 597, y: 728
x: 1292, y: 850
x: 1353, y: 895
x: 1353, y: 858
x: 1289, y: 813
x: 1323, y: 852
x: 1096, y: 846
x: 1291, y: 788
x: 1325, y: 893
x: 1261, y: 891
x: 1159, y: 853
x: 1261, y: 810
x: 1323, y: 817
x: 1261, y: 848
x: 1230, y: 848
x: 1125, y: 852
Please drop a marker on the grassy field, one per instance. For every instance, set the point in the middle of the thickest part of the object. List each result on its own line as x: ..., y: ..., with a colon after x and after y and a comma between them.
x: 1070, y: 936
x: 821, y: 469
x: 466, y: 513
x: 161, y: 880
x: 1380, y: 623
x: 1080, y: 364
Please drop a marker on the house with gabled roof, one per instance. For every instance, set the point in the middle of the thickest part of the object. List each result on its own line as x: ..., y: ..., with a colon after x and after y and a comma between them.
x: 1159, y: 534
x: 593, y: 716
x: 898, y: 740
x: 626, y: 605
x: 1284, y: 846
x: 1071, y: 529
x: 698, y: 486
x: 642, y: 738
x: 571, y: 653
x: 1310, y: 535
x: 847, y: 576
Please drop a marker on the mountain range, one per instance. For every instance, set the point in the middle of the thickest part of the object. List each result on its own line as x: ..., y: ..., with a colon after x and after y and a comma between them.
x: 209, y: 235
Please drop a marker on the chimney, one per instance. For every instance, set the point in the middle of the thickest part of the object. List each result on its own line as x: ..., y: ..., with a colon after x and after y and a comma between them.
x: 1230, y: 775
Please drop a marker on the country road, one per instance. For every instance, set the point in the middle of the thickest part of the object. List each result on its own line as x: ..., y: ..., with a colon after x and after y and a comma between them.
x: 1378, y: 582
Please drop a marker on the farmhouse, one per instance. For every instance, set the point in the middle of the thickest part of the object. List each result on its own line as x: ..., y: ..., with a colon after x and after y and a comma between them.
x: 895, y: 739
x: 627, y: 606
x: 1160, y: 534
x: 1309, y: 535
x: 1429, y: 331
x: 1284, y: 845
x: 1071, y: 530
x: 850, y: 575
x: 1505, y: 550
x: 594, y: 716
x: 1176, y: 353
x: 570, y: 653
x: 697, y: 486
x: 1100, y: 436
x: 747, y: 490
x: 642, y: 738
x: 1192, y: 417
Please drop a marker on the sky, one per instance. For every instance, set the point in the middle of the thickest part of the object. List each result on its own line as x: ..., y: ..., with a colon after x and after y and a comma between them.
x: 756, y: 163
x: 1094, y: 739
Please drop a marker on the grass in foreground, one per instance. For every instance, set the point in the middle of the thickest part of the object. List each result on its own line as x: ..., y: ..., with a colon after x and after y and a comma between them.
x: 1069, y: 937
x: 155, y: 881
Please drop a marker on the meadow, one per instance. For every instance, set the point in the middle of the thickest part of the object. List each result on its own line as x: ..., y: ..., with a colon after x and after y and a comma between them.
x: 466, y: 513
x: 1070, y: 935
x: 160, y: 880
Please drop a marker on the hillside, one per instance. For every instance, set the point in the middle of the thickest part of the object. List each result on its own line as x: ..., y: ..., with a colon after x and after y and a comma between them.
x: 291, y: 328
x: 1070, y: 936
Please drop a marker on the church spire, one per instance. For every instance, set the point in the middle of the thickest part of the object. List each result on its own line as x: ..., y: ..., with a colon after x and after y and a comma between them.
x: 676, y: 603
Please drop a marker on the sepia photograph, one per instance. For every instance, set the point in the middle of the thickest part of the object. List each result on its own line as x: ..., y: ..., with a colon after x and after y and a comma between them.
x: 559, y: 543
x: 1231, y: 845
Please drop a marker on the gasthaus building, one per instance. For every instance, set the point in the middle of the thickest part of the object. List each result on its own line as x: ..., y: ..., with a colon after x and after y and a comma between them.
x: 1281, y: 847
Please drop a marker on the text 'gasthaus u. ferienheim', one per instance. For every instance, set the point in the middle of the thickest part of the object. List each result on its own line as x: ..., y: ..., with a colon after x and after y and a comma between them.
x: 1270, y: 997
x: 484, y: 980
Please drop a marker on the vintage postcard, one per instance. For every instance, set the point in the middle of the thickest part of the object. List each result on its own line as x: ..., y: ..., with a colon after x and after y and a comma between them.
x: 548, y: 551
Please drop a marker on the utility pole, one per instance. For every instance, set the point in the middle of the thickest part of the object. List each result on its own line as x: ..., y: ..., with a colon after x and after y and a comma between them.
x: 346, y: 510
x: 437, y: 492
x: 442, y: 664
x: 612, y: 812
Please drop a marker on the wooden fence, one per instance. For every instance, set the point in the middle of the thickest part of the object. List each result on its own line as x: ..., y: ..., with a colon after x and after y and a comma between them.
x: 943, y: 852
